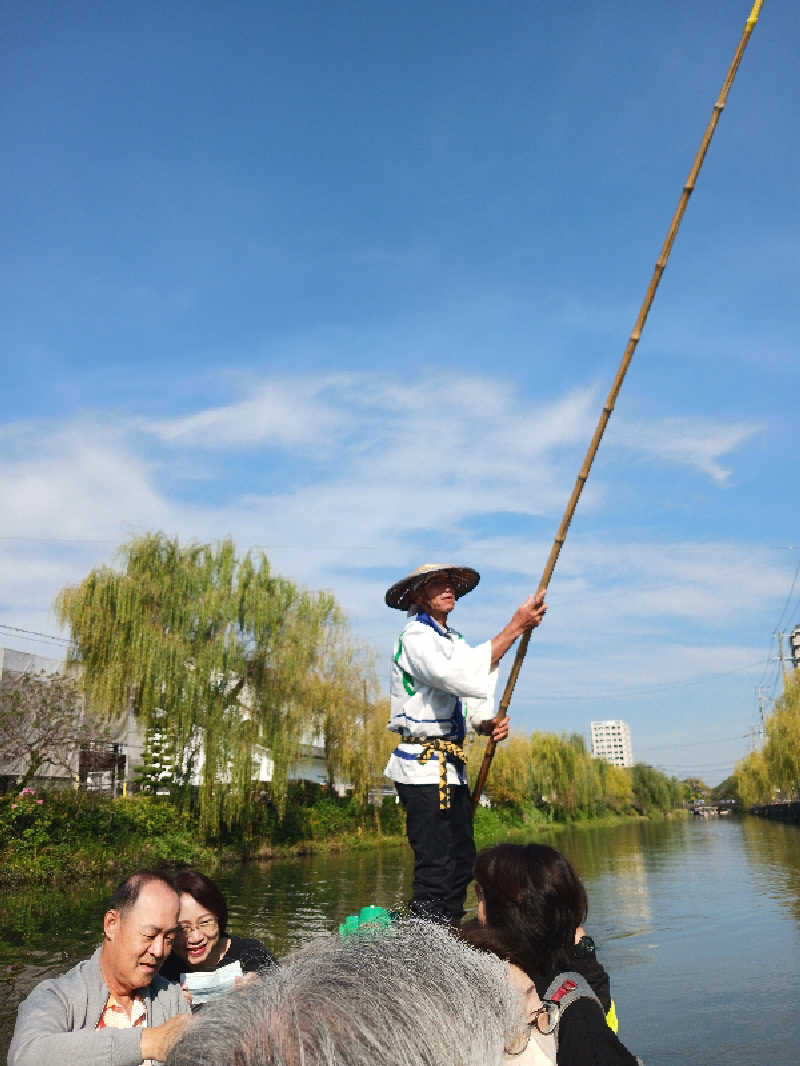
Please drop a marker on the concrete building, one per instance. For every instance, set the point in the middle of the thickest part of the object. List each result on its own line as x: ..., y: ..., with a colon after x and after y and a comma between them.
x: 13, y: 663
x: 611, y: 740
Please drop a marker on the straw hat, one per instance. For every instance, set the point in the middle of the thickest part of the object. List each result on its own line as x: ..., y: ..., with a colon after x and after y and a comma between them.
x: 401, y: 594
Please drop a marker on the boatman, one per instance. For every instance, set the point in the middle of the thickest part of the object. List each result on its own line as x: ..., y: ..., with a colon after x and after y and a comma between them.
x: 440, y: 686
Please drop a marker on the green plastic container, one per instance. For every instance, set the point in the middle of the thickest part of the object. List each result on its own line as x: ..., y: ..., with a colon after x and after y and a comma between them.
x: 372, y: 916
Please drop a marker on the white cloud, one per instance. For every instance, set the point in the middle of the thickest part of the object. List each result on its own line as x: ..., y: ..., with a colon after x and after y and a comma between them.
x: 284, y: 414
x: 699, y: 443
x: 82, y: 480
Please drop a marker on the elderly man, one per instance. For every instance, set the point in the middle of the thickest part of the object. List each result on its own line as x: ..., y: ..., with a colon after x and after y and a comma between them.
x: 412, y: 995
x: 439, y: 686
x: 112, y: 1009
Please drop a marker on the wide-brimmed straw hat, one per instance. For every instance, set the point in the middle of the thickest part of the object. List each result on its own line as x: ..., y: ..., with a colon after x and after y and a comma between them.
x: 401, y: 594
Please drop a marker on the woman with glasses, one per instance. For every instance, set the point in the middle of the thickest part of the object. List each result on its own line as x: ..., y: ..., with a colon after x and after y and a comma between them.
x: 202, y: 942
x: 531, y: 906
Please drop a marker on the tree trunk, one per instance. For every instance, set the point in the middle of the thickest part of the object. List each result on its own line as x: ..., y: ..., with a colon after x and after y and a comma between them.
x: 33, y: 768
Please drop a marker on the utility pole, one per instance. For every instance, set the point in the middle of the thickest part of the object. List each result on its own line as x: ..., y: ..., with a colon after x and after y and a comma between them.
x: 783, y: 661
x: 761, y: 714
x: 752, y: 734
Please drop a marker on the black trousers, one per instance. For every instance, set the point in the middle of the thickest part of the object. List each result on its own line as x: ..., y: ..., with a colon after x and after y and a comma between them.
x: 444, y: 851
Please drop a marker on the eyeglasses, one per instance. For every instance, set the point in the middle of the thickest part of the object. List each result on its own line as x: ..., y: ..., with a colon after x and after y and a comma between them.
x: 206, y: 927
x: 546, y: 1017
x: 545, y: 1020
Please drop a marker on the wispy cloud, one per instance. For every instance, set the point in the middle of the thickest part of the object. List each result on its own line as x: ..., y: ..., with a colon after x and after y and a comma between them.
x: 83, y: 479
x: 283, y: 414
x: 698, y: 443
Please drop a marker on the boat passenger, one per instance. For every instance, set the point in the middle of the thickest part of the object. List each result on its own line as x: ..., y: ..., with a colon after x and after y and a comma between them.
x: 412, y: 995
x: 439, y: 687
x: 202, y: 943
x: 113, y: 1007
x: 534, y: 904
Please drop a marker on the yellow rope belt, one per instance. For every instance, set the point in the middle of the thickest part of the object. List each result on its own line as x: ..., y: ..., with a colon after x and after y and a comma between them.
x: 442, y: 748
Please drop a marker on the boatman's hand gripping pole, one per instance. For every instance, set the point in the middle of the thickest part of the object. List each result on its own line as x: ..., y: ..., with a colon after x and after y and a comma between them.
x: 582, y: 478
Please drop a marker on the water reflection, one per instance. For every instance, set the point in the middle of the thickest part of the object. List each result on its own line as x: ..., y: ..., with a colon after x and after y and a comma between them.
x: 773, y: 854
x: 288, y: 902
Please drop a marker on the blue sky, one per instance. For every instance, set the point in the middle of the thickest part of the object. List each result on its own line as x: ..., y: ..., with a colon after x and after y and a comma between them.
x: 351, y: 281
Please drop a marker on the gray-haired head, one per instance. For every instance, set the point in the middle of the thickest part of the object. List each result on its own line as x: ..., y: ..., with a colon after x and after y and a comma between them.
x: 412, y: 995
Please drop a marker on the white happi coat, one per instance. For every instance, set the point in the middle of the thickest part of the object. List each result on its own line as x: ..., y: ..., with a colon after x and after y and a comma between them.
x: 439, y: 686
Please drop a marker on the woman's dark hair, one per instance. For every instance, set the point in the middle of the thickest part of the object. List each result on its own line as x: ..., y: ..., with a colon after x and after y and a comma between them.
x: 535, y: 901
x: 203, y: 889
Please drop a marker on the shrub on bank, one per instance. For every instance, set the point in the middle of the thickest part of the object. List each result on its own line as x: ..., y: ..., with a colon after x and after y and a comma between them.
x: 60, y: 833
x: 313, y: 813
x: 56, y: 835
x: 65, y: 833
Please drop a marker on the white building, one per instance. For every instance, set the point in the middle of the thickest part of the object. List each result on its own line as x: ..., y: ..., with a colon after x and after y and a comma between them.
x: 611, y: 740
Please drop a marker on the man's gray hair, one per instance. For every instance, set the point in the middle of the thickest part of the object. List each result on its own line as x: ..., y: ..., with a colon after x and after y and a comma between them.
x: 410, y: 995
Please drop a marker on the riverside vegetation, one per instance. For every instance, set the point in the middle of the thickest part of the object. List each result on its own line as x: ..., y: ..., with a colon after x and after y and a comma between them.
x: 227, y: 667
x: 774, y: 771
x: 64, y: 835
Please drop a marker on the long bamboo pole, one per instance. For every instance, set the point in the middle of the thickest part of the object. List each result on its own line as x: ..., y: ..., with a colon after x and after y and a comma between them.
x: 611, y: 400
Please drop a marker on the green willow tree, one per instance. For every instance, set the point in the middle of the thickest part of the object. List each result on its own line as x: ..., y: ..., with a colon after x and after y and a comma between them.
x: 349, y: 717
x: 557, y: 775
x: 782, y: 750
x: 653, y: 790
x: 616, y: 788
x: 776, y: 769
x: 510, y: 783
x: 214, y: 649
x: 752, y: 777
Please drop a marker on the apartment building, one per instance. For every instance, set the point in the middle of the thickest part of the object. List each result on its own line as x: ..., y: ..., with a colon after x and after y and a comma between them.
x: 611, y: 740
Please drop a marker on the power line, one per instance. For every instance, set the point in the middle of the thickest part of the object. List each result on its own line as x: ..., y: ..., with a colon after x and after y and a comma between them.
x: 790, y: 547
x: 636, y: 690
x: 789, y: 597
x: 690, y: 744
x: 33, y: 633
x: 58, y: 540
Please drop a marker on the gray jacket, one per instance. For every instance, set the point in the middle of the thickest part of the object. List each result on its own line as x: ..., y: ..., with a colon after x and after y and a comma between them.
x: 56, y: 1024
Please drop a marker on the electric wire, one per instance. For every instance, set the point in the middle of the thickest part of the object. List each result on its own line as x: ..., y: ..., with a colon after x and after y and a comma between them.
x: 789, y: 597
x: 30, y: 633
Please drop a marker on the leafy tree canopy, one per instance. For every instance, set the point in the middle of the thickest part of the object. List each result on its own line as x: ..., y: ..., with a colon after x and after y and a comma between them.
x: 762, y: 775
x: 218, y: 650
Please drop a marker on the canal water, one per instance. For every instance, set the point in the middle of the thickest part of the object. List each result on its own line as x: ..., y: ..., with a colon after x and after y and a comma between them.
x: 698, y: 924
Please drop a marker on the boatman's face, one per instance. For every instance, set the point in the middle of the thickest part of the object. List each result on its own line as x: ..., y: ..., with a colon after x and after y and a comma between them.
x: 438, y: 594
